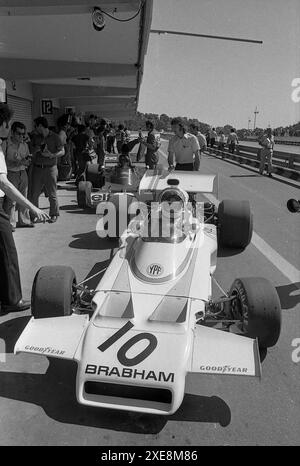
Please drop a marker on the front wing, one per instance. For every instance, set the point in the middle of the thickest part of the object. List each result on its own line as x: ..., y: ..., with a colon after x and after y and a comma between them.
x: 58, y: 337
x: 218, y: 352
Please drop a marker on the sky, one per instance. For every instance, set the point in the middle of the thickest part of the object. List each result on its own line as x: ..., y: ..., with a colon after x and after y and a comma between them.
x: 221, y: 82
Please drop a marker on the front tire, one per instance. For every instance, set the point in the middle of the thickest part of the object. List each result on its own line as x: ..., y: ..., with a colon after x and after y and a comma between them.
x: 53, y: 292
x: 235, y: 224
x: 259, y: 306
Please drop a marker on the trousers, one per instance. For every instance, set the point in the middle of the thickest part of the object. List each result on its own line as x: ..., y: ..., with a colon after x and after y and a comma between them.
x: 10, y: 283
x: 45, y: 177
x: 15, y: 212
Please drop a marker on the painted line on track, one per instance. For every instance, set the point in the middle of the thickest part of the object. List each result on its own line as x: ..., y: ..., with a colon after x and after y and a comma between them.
x: 287, y: 269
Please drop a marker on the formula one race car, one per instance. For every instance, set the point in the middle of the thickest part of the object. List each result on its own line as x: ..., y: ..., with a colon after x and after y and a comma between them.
x: 98, y: 183
x: 152, y: 319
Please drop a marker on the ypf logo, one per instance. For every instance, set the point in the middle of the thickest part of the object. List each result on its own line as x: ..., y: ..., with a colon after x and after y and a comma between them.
x: 155, y: 270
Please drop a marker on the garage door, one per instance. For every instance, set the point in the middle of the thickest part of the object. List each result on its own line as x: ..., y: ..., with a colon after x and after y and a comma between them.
x: 22, y: 110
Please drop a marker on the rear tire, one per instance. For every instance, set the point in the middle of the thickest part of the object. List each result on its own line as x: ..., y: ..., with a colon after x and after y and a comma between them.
x: 235, y: 224
x: 84, y: 191
x: 52, y: 292
x: 259, y: 304
x: 94, y: 174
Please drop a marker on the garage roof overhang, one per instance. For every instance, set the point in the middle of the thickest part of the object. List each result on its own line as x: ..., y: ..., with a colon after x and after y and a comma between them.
x: 53, y: 45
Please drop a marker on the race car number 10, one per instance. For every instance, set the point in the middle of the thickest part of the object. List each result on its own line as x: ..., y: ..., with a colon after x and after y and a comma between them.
x: 122, y: 353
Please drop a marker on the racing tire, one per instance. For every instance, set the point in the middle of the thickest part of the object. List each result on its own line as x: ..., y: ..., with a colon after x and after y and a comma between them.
x: 235, y: 224
x: 52, y: 292
x: 121, y: 202
x: 84, y: 191
x: 94, y: 174
x: 260, y: 307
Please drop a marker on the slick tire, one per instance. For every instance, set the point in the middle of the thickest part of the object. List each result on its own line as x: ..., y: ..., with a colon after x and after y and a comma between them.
x: 94, y: 174
x: 235, y: 223
x: 53, y: 292
x: 260, y: 309
x: 84, y: 191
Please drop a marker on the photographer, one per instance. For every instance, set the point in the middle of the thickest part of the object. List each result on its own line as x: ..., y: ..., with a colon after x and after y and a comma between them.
x: 17, y: 158
x: 10, y: 284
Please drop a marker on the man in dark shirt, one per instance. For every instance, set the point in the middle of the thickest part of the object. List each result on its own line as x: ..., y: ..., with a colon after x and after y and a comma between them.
x: 151, y: 157
x: 44, y: 172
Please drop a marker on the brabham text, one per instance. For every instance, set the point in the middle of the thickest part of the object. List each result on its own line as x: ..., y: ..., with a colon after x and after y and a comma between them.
x: 129, y: 373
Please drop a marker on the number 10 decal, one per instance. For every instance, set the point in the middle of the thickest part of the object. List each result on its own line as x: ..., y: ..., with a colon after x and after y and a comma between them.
x: 121, y: 354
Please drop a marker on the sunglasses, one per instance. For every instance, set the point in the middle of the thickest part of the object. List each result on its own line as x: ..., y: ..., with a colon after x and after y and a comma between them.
x: 20, y: 134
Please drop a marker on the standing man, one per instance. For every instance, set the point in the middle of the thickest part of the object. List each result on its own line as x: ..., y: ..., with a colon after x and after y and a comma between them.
x: 152, y: 145
x: 213, y: 137
x: 10, y: 283
x: 201, y: 138
x: 184, y: 149
x: 17, y: 157
x: 232, y: 141
x: 44, y: 171
x: 266, y: 154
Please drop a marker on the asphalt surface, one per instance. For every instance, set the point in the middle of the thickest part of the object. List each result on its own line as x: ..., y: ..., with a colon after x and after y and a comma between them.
x: 37, y: 396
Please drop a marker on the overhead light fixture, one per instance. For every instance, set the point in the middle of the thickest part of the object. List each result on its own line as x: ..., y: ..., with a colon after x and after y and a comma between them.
x: 98, y: 19
x: 84, y: 79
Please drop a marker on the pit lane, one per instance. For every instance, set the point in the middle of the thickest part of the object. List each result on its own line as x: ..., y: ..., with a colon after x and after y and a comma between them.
x: 37, y: 395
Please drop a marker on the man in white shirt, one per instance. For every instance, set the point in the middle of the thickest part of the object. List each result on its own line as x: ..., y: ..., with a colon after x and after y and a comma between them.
x: 17, y: 160
x: 201, y: 138
x: 10, y: 284
x: 184, y: 149
x: 232, y: 140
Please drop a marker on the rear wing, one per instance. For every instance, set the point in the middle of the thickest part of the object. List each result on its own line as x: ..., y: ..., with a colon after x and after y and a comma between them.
x: 191, y: 182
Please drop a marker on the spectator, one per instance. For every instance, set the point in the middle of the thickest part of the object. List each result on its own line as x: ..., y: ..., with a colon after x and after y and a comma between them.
x: 207, y: 136
x: 100, y: 143
x: 201, y: 138
x: 120, y: 138
x: 80, y: 141
x: 232, y: 141
x: 110, y: 139
x: 10, y: 289
x: 213, y: 137
x: 184, y: 149
x: 152, y: 145
x: 44, y: 171
x: 266, y: 153
x: 222, y: 141
x: 127, y: 135
x: 17, y: 157
x: 64, y: 130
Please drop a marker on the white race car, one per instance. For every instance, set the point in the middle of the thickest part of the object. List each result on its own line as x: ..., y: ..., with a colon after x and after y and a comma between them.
x: 151, y: 320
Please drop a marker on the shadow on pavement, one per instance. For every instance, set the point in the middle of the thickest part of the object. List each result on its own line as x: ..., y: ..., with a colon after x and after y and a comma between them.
x: 74, y: 209
x: 289, y: 295
x: 244, y: 176
x: 91, y: 240
x: 54, y: 391
x: 228, y: 252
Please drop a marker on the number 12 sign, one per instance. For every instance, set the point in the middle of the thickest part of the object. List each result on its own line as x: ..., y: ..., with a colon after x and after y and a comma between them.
x: 47, y: 107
